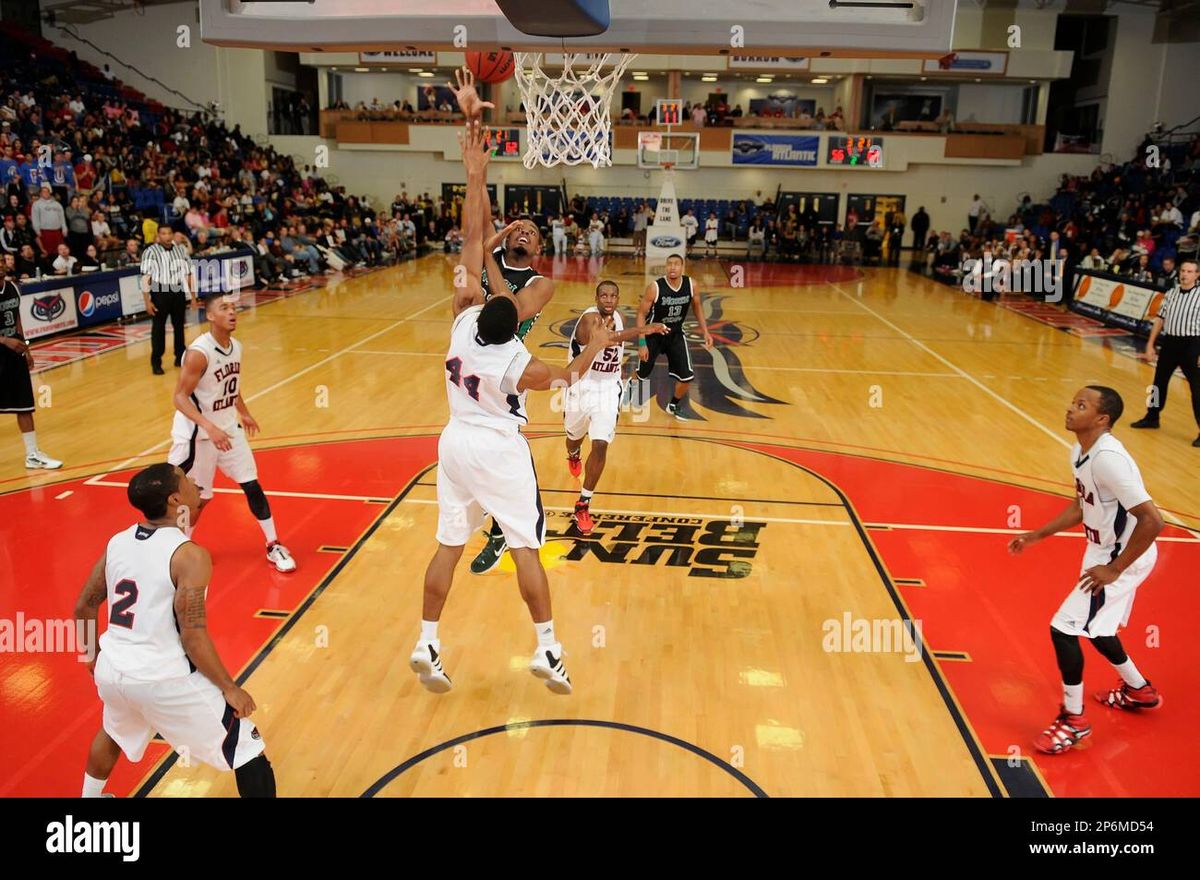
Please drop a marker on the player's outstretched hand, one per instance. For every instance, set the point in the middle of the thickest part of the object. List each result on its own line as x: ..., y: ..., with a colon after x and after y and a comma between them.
x: 476, y: 143
x: 469, y: 101
x: 496, y: 238
x: 241, y: 702
x: 1021, y: 541
x: 250, y: 425
x: 220, y: 439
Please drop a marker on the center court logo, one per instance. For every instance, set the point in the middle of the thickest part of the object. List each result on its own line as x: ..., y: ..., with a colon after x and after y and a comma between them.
x: 70, y: 836
x: 707, y: 548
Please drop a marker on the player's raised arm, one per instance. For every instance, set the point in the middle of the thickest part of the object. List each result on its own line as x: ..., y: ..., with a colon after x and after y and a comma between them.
x: 592, y: 320
x: 467, y: 287
x: 493, y: 240
x: 541, y: 376
x: 191, y: 570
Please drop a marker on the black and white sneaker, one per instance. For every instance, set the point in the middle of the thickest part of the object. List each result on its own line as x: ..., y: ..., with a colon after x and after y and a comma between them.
x: 547, y: 665
x: 40, y: 460
x: 426, y: 662
x: 674, y: 410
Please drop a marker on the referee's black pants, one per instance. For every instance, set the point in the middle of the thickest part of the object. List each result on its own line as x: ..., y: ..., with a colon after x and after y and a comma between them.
x: 170, y: 303
x: 1182, y: 352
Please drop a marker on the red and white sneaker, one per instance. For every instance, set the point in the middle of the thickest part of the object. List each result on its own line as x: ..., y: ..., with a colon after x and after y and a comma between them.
x: 583, y: 518
x: 1065, y: 732
x: 575, y: 465
x: 1125, y: 697
x: 279, y: 556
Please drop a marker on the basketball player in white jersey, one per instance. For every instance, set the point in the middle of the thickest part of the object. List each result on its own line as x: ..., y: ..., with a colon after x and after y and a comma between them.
x: 507, y: 267
x: 157, y: 668
x: 212, y: 421
x: 591, y: 405
x: 1120, y: 522
x: 484, y: 462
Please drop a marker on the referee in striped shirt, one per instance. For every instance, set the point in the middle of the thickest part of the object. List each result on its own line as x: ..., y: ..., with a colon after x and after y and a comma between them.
x: 1179, y: 323
x: 166, y: 283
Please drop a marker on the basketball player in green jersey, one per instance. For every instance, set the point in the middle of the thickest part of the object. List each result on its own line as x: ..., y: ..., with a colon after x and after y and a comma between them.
x: 508, y: 260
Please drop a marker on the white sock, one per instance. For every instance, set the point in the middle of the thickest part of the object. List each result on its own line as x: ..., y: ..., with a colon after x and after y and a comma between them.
x: 30, y: 438
x: 92, y: 787
x: 545, y: 633
x: 268, y: 527
x: 585, y: 494
x: 1129, y: 674
x: 1073, y: 698
x: 429, y: 630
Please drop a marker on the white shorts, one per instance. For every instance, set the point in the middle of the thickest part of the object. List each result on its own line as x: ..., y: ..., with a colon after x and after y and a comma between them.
x: 190, y: 713
x: 1083, y: 614
x: 592, y: 407
x: 487, y: 470
x: 200, y: 459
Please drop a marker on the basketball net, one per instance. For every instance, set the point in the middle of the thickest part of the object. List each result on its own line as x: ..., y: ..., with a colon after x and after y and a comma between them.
x: 568, y: 114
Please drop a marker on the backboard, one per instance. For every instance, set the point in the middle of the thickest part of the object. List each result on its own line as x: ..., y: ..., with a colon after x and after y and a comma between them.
x: 816, y: 28
x: 680, y: 149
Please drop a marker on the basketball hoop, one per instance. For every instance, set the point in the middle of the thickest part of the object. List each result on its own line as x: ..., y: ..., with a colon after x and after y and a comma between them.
x: 568, y: 114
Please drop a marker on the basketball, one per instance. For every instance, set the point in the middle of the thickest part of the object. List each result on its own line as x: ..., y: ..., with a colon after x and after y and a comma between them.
x: 491, y: 67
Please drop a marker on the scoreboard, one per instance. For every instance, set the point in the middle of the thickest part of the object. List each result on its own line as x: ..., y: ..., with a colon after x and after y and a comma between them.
x: 669, y: 111
x: 506, y: 143
x: 856, y: 150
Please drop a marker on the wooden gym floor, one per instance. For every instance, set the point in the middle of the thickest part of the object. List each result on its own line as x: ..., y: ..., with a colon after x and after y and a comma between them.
x: 865, y: 443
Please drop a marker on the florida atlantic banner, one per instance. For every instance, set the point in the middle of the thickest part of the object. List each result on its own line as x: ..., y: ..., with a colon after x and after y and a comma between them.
x: 795, y: 150
x: 47, y: 308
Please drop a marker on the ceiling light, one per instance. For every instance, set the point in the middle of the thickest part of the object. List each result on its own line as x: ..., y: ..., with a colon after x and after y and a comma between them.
x: 763, y: 79
x: 426, y: 73
x: 819, y: 81
x: 978, y: 80
x: 641, y: 77
x: 708, y: 79
x: 361, y: 69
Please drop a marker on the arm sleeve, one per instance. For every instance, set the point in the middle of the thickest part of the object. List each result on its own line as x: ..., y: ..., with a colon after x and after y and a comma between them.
x: 508, y: 383
x: 1115, y: 477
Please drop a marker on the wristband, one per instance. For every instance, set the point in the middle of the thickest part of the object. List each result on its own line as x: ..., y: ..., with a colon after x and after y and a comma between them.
x: 642, y: 342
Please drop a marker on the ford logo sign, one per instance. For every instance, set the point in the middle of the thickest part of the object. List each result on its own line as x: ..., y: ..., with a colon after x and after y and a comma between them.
x: 666, y: 241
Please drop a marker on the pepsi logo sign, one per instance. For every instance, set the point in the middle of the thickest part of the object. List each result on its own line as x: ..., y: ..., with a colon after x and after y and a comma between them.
x: 90, y: 302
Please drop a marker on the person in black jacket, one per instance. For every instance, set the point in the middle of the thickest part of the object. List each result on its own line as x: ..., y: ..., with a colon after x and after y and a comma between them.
x: 920, y: 226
